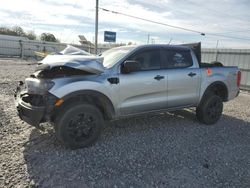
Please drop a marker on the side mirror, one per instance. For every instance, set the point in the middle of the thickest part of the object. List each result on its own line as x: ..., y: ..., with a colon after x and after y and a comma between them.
x: 130, y: 66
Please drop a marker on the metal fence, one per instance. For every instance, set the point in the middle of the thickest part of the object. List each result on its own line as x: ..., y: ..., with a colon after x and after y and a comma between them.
x: 231, y: 57
x: 26, y: 48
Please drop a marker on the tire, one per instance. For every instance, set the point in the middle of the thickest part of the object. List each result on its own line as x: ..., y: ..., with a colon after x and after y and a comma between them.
x: 210, y: 109
x: 79, y: 125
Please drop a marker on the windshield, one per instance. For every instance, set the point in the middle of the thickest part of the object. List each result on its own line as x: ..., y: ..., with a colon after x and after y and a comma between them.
x: 115, y: 54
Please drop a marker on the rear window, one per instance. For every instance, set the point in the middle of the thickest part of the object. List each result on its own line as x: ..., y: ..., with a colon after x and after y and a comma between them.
x: 178, y: 59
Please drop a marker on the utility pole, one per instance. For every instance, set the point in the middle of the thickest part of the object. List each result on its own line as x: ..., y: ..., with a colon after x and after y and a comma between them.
x: 170, y: 41
x: 148, y: 38
x: 96, y: 26
x: 216, y: 53
x: 217, y: 44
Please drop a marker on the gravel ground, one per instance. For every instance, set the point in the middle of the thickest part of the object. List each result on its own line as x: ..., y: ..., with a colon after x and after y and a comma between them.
x: 165, y: 150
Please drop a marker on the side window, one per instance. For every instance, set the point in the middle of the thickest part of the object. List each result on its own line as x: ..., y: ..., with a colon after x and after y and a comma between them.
x: 149, y: 60
x: 179, y: 59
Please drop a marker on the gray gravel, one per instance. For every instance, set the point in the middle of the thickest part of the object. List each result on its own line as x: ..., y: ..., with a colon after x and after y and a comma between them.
x: 165, y: 150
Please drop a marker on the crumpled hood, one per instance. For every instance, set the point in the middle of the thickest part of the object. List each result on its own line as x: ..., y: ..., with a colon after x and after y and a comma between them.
x: 88, y: 62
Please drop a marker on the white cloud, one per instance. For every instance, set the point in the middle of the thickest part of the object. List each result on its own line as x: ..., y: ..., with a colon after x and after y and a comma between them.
x: 67, y: 19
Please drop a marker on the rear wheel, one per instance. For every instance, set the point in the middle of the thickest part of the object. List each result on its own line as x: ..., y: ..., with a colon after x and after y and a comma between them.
x: 210, y: 109
x: 79, y: 125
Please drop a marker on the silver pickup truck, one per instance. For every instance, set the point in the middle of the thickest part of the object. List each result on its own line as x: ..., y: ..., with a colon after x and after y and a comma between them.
x: 77, y: 92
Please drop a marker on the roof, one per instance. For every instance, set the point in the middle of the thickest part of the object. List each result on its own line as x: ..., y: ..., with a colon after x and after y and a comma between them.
x: 163, y: 45
x: 143, y: 46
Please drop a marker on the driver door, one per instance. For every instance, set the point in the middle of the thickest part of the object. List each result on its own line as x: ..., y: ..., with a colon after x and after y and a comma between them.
x: 143, y: 90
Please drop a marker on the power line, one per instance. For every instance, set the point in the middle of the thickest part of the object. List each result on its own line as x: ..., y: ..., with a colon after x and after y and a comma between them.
x: 231, y: 31
x: 176, y: 27
x: 159, y: 23
x: 225, y: 36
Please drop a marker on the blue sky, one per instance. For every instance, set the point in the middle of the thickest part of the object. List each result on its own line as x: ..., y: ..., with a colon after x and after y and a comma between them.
x: 69, y: 18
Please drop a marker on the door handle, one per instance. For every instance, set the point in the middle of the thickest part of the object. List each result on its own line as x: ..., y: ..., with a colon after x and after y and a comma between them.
x: 159, y: 77
x: 191, y: 74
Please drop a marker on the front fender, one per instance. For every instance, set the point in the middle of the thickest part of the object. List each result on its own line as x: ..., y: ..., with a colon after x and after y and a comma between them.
x: 64, y: 87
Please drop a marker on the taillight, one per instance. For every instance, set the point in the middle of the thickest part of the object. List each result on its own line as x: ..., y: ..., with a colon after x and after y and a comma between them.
x: 238, y: 78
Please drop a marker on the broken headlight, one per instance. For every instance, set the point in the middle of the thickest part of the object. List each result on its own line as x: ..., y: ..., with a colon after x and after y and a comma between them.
x: 38, y: 86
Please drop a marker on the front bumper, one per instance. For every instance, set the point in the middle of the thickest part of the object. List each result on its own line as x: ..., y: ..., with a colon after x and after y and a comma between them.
x: 31, y: 114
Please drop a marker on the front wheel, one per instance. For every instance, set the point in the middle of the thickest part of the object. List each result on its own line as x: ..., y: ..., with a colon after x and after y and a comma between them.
x: 79, y: 125
x: 210, y: 109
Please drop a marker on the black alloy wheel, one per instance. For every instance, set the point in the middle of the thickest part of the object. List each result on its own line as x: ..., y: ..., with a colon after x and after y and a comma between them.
x: 79, y: 125
x: 210, y: 109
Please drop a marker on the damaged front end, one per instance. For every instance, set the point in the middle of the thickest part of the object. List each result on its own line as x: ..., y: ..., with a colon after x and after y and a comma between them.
x: 35, y: 104
x: 34, y: 108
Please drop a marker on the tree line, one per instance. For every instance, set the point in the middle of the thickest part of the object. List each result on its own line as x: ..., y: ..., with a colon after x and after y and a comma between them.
x: 18, y: 31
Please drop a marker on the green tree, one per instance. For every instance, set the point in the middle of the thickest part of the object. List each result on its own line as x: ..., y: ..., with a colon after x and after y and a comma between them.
x: 7, y: 31
x: 18, y: 30
x: 31, y: 35
x: 48, y: 37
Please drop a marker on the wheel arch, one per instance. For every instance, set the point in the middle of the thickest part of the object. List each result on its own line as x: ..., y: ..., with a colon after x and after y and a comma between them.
x: 218, y: 88
x: 97, y: 98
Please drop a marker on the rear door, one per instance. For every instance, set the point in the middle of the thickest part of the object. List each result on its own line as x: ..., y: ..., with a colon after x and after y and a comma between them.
x: 183, y: 78
x: 144, y: 90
